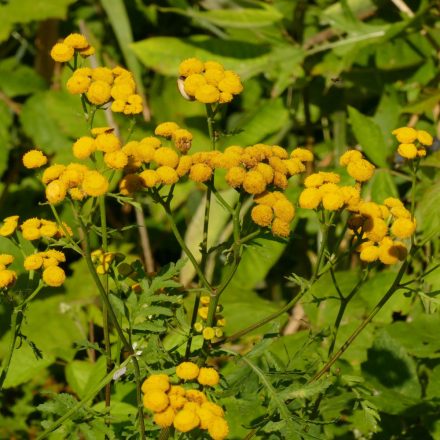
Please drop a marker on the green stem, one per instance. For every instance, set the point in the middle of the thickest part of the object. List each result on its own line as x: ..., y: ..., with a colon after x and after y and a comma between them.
x: 16, y: 320
x: 394, y: 287
x: 211, y: 125
x: 105, y: 323
x: 117, y: 326
x: 323, y: 246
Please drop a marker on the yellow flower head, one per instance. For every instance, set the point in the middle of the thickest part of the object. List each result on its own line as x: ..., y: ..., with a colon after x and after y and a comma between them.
x: 8, y: 227
x: 116, y: 160
x: 86, y: 52
x: 98, y: 92
x: 225, y: 97
x: 408, y: 151
x: 200, y: 172
x: 156, y: 400
x: 207, y: 94
x: 190, y: 66
x: 405, y: 135
x: 254, y: 182
x: 310, y: 198
x: 280, y: 228
x: 102, y: 74
x: 332, y: 201
x: 187, y: 370
x: 33, y: 262
x: 236, y: 175
x: 375, y: 229
x: 302, y: 154
x: 107, y: 142
x: 208, y: 376
x: 208, y: 333
x: 34, y: 159
x: 78, y: 84
x: 94, y: 184
x: 314, y: 180
x: 186, y: 420
x: 6, y: 259
x: 52, y: 173
x: 391, y: 252
x: 62, y: 53
x: 262, y: 215
x: 58, y: 255
x: 54, y: 276
x: 203, y: 312
x: 213, y: 76
x: 56, y: 192
x: 166, y: 129
x: 182, y: 140
x: 218, y: 428
x: 167, y: 175
x: 284, y: 210
x: 350, y: 156
x: 49, y: 229
x: 193, y: 82
x: 424, y: 138
x: 76, y: 41
x: 84, y: 147
x: 156, y: 381
x: 196, y: 396
x: 7, y: 278
x: 230, y: 83
x: 185, y: 163
x: 403, y: 227
x: 149, y: 178
x: 165, y: 418
x: 361, y: 170
x: 166, y: 156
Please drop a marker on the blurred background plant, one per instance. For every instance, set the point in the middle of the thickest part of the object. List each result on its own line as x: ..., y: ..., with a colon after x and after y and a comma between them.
x: 320, y: 74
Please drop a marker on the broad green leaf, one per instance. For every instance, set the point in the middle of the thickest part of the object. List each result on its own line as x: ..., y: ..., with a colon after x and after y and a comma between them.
x: 369, y: 136
x: 305, y: 391
x: 382, y: 185
x: 5, y: 139
x: 26, y: 11
x: 18, y: 80
x: 433, y: 388
x: 428, y: 210
x: 242, y: 18
x: 82, y: 375
x: 164, y: 54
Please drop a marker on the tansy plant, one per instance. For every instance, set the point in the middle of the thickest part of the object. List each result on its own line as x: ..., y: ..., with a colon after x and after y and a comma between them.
x: 180, y: 392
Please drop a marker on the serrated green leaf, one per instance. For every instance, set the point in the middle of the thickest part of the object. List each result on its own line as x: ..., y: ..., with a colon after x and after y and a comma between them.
x: 305, y: 391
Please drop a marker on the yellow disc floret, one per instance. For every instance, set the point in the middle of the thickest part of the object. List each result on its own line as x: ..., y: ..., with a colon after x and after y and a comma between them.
x: 54, y: 276
x: 34, y: 159
x: 187, y: 370
x: 94, y: 184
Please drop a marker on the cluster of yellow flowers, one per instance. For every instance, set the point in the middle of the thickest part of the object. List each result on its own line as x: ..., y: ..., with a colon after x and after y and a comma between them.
x: 372, y: 222
x: 64, y: 51
x: 413, y: 142
x: 33, y: 228
x: 49, y: 260
x: 208, y: 82
x: 102, y: 85
x: 185, y: 409
x: 102, y: 260
x: 7, y: 276
x: 209, y: 333
x: 75, y: 179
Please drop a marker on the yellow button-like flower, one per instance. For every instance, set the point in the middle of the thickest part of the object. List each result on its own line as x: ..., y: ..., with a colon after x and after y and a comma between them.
x: 302, y: 154
x: 218, y: 428
x: 207, y: 94
x: 58, y: 255
x: 350, y: 156
x: 230, y: 83
x: 107, y: 142
x: 280, y: 228
x: 8, y: 228
x: 310, y: 198
x: 33, y: 262
x: 408, y: 151
x: 76, y: 41
x: 177, y: 401
x: 205, y: 417
x: 98, y: 92
x: 56, y: 192
x: 361, y: 170
x: 49, y: 229
x: 405, y: 135
x: 185, y: 163
x: 156, y: 400
x: 424, y: 138
x: 200, y: 172
x: 6, y: 259
x: 102, y: 74
x: 403, y: 227
x: 52, y: 173
x: 78, y: 84
x: 166, y: 129
x: 262, y: 215
x: 62, y: 52
x: 166, y: 156
x: 167, y: 175
x: 86, y: 52
x: 284, y: 210
x: 391, y: 252
x: 225, y: 97
x: 129, y: 184
x: 165, y: 418
x: 156, y: 381
x: 116, y: 160
x: 149, y: 178
x: 84, y: 147
x: 203, y: 312
x: 95, y: 184
x: 182, y: 140
x: 196, y: 396
x: 235, y: 176
x: 122, y: 90
x: 193, y: 82
x: 254, y: 182
x: 369, y: 254
x: 7, y: 278
x: 217, y: 410
x: 187, y: 370
x: 34, y: 159
x: 54, y: 276
x: 213, y: 76
x: 186, y: 420
x: 190, y: 66
x: 208, y: 333
x: 375, y: 229
x: 208, y: 376
x: 332, y: 201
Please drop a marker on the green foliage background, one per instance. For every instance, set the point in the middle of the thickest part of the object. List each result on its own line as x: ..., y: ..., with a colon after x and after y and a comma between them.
x: 324, y: 74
